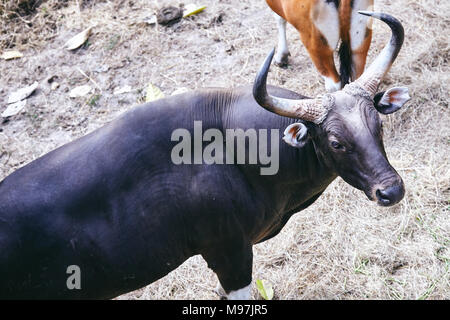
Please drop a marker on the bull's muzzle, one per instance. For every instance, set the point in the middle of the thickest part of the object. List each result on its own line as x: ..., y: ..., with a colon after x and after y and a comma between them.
x: 391, y: 195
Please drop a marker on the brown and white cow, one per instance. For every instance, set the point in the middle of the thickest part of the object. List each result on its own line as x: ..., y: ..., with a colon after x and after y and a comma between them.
x: 321, y: 24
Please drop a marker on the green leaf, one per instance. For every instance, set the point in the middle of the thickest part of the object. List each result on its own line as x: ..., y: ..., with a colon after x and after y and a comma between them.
x: 265, y: 289
x: 94, y: 99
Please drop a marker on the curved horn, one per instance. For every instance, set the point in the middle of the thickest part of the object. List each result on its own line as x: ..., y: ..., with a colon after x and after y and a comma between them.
x: 304, y: 109
x: 371, y: 78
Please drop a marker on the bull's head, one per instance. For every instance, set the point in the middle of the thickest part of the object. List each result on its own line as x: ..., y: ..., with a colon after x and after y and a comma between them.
x: 345, y: 125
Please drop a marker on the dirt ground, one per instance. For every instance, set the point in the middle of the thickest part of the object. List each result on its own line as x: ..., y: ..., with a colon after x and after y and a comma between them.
x: 343, y: 246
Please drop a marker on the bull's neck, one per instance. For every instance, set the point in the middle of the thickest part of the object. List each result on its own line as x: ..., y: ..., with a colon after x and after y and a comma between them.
x: 301, y: 173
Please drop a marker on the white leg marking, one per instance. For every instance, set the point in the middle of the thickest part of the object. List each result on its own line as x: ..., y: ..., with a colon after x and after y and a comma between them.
x: 282, y: 49
x: 330, y: 85
x: 326, y: 18
x: 241, y: 294
x: 358, y: 25
x: 359, y: 22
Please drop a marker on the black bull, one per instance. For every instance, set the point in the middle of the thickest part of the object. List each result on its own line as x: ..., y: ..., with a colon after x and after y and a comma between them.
x: 114, y: 204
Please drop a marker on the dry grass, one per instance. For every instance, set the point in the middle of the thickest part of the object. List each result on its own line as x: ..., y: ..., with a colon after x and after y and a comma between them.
x: 343, y: 246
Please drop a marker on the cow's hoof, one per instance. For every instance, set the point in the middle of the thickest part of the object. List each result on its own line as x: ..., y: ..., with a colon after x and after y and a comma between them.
x: 330, y: 85
x: 282, y: 65
x: 283, y: 61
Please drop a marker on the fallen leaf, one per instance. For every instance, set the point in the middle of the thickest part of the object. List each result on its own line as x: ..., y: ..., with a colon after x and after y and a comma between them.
x: 153, y: 93
x: 14, y: 108
x: 78, y: 40
x: 55, y: 85
x: 265, y: 289
x: 150, y: 20
x: 101, y: 68
x: 122, y: 90
x: 191, y: 9
x: 22, y: 93
x: 8, y: 55
x: 180, y: 91
x: 80, y: 91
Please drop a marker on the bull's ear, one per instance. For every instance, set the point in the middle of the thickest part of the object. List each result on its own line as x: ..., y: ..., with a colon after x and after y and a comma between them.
x: 387, y: 102
x: 296, y: 135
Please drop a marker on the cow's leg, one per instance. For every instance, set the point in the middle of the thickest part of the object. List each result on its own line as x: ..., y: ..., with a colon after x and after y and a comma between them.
x: 359, y: 55
x: 281, y: 57
x: 322, y: 57
x: 360, y: 36
x: 320, y: 35
x: 233, y: 266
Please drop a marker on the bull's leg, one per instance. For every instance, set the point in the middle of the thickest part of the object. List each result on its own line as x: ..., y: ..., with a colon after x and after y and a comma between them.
x: 281, y: 57
x: 233, y: 267
x: 241, y: 294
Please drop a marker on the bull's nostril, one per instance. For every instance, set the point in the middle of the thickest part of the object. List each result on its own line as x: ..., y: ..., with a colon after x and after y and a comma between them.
x: 383, y: 197
x: 390, y: 195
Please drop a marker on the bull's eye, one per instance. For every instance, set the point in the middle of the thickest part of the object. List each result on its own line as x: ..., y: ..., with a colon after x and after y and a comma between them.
x: 336, y: 145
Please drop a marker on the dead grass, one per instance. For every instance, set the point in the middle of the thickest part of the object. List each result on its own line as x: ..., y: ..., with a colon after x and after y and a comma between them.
x: 343, y: 246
